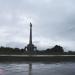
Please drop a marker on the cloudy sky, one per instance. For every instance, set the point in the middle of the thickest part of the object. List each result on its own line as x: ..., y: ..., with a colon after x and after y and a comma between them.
x: 53, y: 23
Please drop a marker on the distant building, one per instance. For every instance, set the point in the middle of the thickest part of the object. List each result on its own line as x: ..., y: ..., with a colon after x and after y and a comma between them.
x: 30, y: 47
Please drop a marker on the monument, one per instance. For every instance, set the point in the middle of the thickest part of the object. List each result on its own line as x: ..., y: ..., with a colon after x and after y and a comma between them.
x: 30, y: 48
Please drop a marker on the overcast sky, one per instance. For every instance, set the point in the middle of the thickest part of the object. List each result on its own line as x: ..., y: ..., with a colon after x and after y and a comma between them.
x: 53, y: 23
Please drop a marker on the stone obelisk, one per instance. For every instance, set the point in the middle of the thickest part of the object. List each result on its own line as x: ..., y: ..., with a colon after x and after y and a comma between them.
x: 30, y: 48
x: 30, y: 39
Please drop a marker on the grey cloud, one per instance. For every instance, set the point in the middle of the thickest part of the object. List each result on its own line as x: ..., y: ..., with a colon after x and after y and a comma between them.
x: 53, y: 21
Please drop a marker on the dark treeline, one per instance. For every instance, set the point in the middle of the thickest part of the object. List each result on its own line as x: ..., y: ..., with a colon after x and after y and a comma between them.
x: 55, y: 50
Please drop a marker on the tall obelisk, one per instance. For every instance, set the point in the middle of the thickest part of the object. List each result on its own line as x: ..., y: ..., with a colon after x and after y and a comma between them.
x: 30, y: 39
x: 30, y: 48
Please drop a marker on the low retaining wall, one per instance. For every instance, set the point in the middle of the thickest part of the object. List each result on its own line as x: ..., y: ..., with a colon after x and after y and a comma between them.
x: 37, y: 58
